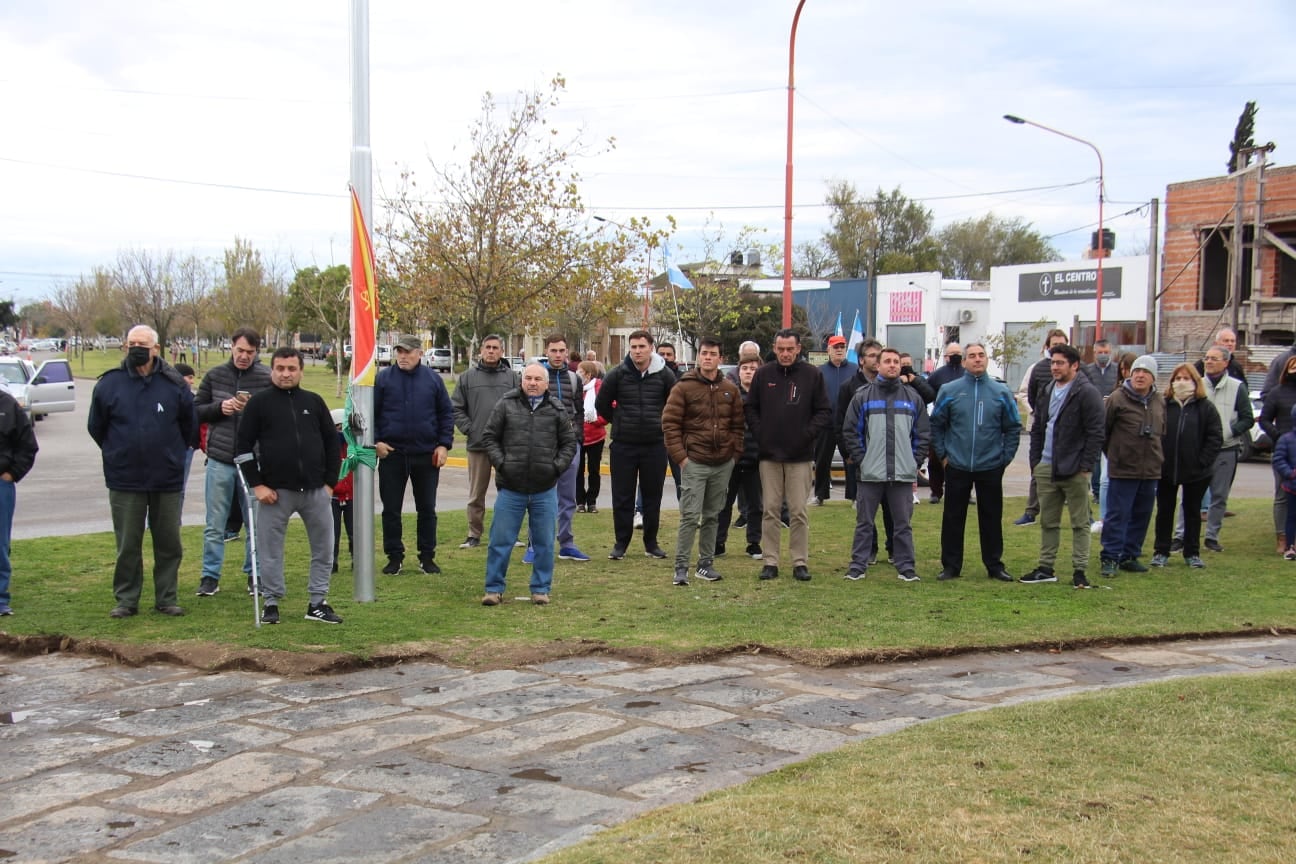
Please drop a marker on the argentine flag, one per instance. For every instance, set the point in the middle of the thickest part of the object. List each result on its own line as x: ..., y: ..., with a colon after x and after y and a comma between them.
x: 675, y: 275
x: 856, y: 334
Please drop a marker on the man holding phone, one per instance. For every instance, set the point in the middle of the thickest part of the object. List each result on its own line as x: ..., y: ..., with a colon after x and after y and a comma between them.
x: 223, y: 394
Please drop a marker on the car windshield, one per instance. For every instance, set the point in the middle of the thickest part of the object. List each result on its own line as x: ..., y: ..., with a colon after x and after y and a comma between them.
x: 13, y: 373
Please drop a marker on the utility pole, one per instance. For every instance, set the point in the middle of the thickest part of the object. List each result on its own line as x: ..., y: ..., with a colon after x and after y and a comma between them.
x: 1235, y: 254
x: 1153, y: 297
x: 1257, y: 235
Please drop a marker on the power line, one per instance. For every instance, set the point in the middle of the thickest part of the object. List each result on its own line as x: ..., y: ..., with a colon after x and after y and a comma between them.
x: 176, y: 180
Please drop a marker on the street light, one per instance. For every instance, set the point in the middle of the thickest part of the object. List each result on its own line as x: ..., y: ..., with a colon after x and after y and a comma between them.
x: 787, y: 190
x: 1102, y: 242
x: 647, y: 265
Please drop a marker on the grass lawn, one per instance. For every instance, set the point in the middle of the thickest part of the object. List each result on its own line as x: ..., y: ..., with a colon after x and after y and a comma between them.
x: 1192, y: 770
x: 62, y: 589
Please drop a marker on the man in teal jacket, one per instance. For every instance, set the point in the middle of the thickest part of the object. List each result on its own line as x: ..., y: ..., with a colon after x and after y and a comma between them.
x: 975, y: 432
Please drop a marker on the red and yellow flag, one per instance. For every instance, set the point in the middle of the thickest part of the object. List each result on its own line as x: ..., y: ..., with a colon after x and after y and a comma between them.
x: 364, y: 300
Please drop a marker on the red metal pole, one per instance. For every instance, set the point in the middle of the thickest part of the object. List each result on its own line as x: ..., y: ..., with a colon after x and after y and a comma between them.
x: 787, y: 191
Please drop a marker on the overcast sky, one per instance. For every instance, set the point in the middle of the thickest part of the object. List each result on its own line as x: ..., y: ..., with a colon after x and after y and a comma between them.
x: 180, y: 125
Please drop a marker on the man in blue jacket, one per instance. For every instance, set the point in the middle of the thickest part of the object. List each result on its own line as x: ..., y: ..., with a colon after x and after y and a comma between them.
x: 975, y: 432
x: 413, y: 430
x: 142, y: 418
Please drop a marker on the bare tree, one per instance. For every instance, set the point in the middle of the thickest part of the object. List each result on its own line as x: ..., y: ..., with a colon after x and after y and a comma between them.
x: 249, y: 293
x: 193, y: 296
x: 146, y: 287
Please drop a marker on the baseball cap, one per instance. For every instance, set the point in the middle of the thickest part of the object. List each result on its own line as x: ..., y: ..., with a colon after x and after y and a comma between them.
x: 409, y: 343
x: 836, y: 340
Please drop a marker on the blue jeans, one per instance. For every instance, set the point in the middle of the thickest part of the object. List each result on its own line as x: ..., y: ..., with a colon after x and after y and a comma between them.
x: 540, y: 509
x: 1129, y: 512
x: 220, y: 491
x: 8, y: 499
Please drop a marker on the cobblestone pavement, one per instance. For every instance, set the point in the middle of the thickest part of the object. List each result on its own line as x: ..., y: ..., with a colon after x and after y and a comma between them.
x: 426, y: 763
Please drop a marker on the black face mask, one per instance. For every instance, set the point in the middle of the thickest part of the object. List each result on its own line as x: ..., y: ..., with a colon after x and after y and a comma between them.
x: 955, y: 360
x: 138, y: 356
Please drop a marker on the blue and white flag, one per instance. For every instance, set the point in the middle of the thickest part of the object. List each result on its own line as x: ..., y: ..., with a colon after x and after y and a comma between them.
x: 838, y: 331
x: 856, y: 334
x: 674, y: 274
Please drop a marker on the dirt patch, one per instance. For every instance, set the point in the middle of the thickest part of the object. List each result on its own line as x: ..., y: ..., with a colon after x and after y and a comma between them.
x: 482, y: 656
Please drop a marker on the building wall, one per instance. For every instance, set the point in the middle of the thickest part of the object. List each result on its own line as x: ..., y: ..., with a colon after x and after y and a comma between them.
x: 1191, y: 210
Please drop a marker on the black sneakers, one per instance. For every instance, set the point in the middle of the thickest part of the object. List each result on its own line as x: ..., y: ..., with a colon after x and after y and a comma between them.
x: 321, y: 612
x: 470, y: 543
x: 947, y: 574
x: 681, y: 576
x: 754, y: 550
x: 1078, y: 580
x: 207, y: 586
x: 429, y: 566
x: 655, y: 552
x: 270, y: 614
x: 1039, y: 574
x: 393, y: 567
x: 617, y: 553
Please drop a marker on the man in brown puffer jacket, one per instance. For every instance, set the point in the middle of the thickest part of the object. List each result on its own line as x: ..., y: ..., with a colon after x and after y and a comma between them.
x: 703, y: 427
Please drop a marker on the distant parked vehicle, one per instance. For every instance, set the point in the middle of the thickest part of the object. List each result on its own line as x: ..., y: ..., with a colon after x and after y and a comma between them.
x: 1256, y: 445
x: 440, y: 359
x: 384, y: 355
x: 517, y: 363
x: 39, y: 391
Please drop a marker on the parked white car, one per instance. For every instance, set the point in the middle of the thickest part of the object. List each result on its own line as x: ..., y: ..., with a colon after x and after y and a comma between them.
x: 45, y: 390
x: 439, y: 359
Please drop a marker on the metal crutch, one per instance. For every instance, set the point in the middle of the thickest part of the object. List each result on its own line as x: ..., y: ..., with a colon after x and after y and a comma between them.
x: 250, y: 501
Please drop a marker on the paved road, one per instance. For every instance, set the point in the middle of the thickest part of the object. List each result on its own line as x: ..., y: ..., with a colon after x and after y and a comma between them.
x: 425, y: 763
x: 65, y: 495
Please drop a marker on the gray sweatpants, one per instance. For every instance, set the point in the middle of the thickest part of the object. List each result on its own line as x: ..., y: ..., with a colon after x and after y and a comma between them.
x: 272, y: 524
x: 899, y: 497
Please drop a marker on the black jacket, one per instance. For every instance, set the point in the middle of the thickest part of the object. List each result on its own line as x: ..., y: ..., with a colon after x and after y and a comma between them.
x: 841, y: 402
x: 639, y: 397
x: 221, y: 383
x: 143, y: 426
x: 787, y: 409
x: 1041, y: 378
x: 1078, y: 433
x: 1191, y: 442
x: 292, y: 434
x: 17, y: 438
x: 528, y: 449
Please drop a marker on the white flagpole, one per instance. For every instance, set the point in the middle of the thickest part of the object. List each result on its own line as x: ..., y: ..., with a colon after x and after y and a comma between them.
x: 362, y: 397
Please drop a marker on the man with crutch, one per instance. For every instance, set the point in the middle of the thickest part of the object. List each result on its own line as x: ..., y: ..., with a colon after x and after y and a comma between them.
x: 291, y: 431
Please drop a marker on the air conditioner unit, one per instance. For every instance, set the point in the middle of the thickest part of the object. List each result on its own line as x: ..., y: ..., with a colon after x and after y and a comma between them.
x: 966, y: 316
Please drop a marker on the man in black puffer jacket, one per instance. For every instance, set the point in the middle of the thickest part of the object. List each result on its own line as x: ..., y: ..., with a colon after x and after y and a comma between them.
x: 530, y: 442
x: 638, y: 388
x: 221, y: 396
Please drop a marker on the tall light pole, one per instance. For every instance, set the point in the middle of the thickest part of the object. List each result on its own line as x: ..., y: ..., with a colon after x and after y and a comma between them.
x: 787, y: 189
x: 1102, y: 242
x: 647, y: 267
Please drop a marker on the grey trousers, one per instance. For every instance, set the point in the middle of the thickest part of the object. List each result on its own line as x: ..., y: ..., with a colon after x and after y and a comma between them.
x: 272, y: 524
x: 899, y: 498
x: 703, y: 489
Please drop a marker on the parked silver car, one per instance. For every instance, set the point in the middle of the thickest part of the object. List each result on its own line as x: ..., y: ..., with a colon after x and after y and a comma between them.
x: 45, y: 390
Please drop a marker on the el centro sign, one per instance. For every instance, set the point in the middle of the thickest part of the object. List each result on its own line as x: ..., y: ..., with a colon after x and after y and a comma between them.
x: 1067, y: 285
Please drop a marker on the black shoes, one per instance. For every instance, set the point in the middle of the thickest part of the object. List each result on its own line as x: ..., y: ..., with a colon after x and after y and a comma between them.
x: 707, y: 573
x: 323, y: 613
x: 1078, y: 580
x: 681, y: 576
x: 393, y: 567
x: 207, y: 586
x: 1213, y: 545
x: 1038, y: 575
x: 769, y: 571
x: 1002, y: 576
x: 755, y: 551
x: 1133, y: 565
x: 948, y: 574
x: 655, y: 552
x: 122, y: 612
x: 429, y: 566
x: 617, y: 553
x: 270, y: 614
x: 801, y: 573
x: 470, y: 543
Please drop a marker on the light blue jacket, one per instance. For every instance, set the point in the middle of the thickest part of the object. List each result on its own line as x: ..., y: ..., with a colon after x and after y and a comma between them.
x: 975, y: 424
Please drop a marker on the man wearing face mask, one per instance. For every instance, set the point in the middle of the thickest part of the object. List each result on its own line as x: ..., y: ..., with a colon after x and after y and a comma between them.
x: 951, y: 371
x: 1102, y: 373
x: 142, y: 418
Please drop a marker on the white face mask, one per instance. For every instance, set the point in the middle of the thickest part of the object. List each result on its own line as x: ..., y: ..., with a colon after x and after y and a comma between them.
x: 1183, y: 389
